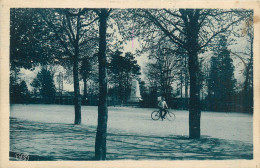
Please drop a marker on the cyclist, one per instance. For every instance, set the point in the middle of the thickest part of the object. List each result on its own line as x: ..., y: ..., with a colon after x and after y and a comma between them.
x: 162, y: 107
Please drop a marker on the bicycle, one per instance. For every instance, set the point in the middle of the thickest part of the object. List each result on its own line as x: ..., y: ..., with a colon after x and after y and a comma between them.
x: 155, y: 115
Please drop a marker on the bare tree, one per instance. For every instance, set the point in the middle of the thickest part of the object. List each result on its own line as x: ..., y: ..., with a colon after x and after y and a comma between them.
x: 101, y: 135
x: 73, y: 32
x: 192, y: 30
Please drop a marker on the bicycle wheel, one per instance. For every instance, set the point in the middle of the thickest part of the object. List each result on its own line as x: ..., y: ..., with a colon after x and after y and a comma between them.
x: 170, y: 116
x: 155, y: 115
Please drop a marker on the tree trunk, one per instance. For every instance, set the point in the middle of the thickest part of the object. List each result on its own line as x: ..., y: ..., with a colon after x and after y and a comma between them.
x: 100, y: 146
x: 194, y: 111
x: 186, y: 84
x: 77, y: 98
x: 192, y: 43
x: 247, y: 96
x: 85, y: 90
x: 181, y: 85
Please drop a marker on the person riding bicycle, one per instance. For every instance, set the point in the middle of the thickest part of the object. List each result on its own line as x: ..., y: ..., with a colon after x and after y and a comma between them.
x: 162, y: 107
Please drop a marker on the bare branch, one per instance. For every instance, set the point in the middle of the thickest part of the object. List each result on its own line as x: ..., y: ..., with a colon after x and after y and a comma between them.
x: 173, y: 24
x: 70, y: 27
x: 57, y: 34
x: 173, y: 14
x: 221, y: 31
x: 69, y: 35
x: 86, y: 41
x: 85, y: 25
x: 97, y: 11
x: 170, y: 35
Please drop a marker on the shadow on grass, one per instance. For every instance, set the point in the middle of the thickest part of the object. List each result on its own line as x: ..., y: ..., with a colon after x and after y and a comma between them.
x: 54, y: 141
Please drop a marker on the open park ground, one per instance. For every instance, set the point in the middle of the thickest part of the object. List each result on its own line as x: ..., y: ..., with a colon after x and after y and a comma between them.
x: 47, y: 133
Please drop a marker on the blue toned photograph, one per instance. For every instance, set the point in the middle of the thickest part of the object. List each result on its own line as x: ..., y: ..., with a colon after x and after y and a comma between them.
x: 93, y: 84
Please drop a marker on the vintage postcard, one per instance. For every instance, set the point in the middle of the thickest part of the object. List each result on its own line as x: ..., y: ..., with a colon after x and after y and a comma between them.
x: 130, y: 83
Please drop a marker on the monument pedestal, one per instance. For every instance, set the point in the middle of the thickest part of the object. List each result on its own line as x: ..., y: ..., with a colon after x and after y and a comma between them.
x: 135, y: 95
